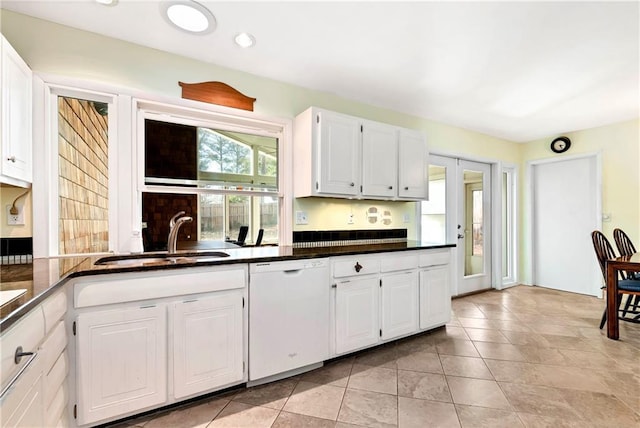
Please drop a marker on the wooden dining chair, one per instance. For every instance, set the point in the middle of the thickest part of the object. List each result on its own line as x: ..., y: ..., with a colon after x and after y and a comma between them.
x: 626, y: 248
x: 623, y: 242
x: 604, y: 251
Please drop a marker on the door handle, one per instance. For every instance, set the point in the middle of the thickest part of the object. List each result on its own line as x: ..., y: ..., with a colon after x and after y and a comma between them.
x: 460, y: 236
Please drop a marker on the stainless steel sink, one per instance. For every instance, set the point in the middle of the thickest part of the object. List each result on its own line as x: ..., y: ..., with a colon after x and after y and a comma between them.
x: 156, y: 259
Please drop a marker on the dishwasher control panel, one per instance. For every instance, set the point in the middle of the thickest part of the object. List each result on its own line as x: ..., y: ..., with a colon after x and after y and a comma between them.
x: 289, y: 265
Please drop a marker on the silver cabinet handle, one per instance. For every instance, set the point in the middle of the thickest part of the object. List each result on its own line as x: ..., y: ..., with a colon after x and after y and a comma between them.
x: 17, y: 375
x: 12, y: 159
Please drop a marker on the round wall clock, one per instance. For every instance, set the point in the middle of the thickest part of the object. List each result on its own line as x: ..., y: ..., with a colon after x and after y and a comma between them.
x: 560, y: 144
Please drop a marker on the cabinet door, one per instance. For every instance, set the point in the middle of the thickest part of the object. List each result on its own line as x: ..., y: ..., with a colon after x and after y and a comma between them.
x: 435, y: 297
x: 339, y: 160
x: 413, y: 163
x: 16, y: 115
x: 121, y: 357
x: 399, y: 304
x: 23, y: 405
x: 357, y: 314
x: 207, y: 343
x: 379, y: 160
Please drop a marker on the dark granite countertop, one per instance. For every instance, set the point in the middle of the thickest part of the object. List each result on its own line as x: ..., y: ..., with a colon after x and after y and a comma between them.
x: 44, y: 276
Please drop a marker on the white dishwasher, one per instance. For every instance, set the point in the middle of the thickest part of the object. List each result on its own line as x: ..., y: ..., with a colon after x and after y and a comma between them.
x: 288, y: 315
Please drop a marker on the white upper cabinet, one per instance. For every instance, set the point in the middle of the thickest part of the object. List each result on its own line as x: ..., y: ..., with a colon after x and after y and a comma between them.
x: 379, y: 160
x: 413, y: 164
x: 338, y: 163
x: 337, y: 155
x: 16, y: 118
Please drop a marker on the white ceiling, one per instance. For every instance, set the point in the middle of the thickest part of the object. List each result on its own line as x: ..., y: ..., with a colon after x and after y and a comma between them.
x: 515, y: 70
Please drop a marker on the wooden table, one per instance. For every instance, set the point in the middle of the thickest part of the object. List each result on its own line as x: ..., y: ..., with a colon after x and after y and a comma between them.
x: 623, y: 263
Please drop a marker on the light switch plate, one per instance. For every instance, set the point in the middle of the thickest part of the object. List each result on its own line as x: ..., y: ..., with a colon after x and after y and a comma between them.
x: 15, y: 219
x: 301, y: 217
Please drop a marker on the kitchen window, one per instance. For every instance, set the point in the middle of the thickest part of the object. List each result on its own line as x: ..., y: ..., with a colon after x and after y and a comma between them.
x: 223, y: 173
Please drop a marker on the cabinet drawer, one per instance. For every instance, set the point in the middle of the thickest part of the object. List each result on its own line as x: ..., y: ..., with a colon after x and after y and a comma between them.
x: 22, y: 405
x: 434, y: 258
x: 133, y: 287
x: 54, y: 308
x: 28, y: 333
x: 54, y: 380
x: 399, y: 262
x: 53, y: 346
x: 56, y: 408
x: 355, y: 266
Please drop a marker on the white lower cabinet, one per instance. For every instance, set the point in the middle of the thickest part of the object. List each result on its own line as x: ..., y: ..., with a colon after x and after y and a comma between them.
x: 435, y: 296
x: 376, y: 299
x: 435, y: 288
x: 207, y: 343
x: 357, y: 313
x: 146, y: 340
x: 121, y: 361
x: 399, y: 304
x: 383, y: 297
x: 29, y: 384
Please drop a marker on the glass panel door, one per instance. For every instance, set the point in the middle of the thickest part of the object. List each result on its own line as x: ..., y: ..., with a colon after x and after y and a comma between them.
x: 474, y: 219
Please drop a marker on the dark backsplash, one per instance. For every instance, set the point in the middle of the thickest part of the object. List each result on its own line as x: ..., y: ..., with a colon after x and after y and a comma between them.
x: 347, y: 235
x: 157, y: 209
x: 16, y: 250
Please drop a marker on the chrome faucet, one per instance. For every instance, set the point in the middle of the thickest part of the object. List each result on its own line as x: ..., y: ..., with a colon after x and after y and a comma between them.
x: 174, y: 226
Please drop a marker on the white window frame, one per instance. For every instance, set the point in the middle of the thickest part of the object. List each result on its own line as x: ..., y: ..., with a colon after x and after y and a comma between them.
x: 45, y: 157
x: 218, y: 118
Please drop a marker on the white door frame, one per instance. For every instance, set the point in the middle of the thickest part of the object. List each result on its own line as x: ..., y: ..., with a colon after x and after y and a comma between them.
x: 512, y: 211
x: 529, y: 206
x: 496, y: 218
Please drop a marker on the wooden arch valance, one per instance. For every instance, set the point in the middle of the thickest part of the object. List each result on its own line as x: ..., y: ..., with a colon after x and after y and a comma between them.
x: 216, y: 93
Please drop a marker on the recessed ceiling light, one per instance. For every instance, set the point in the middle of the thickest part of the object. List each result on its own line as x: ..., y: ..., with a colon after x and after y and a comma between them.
x: 188, y: 16
x: 245, y: 40
x: 107, y: 2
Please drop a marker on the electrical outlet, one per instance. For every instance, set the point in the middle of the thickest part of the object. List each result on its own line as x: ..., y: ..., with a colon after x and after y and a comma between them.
x: 406, y: 218
x: 15, y: 219
x: 350, y: 219
x: 301, y: 217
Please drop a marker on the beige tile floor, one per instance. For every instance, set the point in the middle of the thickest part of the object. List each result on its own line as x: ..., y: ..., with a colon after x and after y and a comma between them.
x: 523, y: 357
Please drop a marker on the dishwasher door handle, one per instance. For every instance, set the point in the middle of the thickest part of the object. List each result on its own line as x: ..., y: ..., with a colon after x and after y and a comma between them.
x: 292, y: 271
